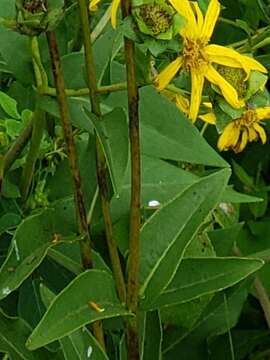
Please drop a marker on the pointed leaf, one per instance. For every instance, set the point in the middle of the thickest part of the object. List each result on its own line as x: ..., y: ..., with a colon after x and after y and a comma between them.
x: 30, y: 244
x: 196, y: 277
x: 13, y: 335
x: 165, y: 236
x: 75, y: 307
x: 166, y: 133
x: 112, y: 132
x: 151, y: 336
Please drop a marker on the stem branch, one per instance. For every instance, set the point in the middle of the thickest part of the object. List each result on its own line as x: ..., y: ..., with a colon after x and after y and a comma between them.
x: 101, y: 161
x: 85, y: 243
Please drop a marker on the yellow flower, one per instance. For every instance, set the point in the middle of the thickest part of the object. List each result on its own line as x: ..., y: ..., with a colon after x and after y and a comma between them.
x: 246, y: 129
x: 183, y: 105
x: 198, y: 57
x: 93, y: 6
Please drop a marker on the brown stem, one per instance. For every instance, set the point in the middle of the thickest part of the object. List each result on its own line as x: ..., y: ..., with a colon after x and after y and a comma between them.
x: 85, y: 243
x: 101, y: 161
x: 135, y: 218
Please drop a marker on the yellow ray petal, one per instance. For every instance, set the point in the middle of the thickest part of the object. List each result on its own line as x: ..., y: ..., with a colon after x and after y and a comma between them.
x: 182, y: 103
x: 229, y: 57
x: 115, y: 6
x: 228, y: 91
x: 93, y: 5
x: 166, y: 75
x: 263, y: 113
x: 210, y: 19
x: 183, y: 8
x: 197, y: 80
x: 199, y: 16
x: 209, y: 118
x: 243, y: 142
x: 229, y: 137
x: 252, y: 134
x: 260, y: 130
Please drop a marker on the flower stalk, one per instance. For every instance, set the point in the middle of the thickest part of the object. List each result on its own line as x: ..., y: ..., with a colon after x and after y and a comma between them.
x: 101, y: 161
x: 135, y: 216
x: 85, y: 243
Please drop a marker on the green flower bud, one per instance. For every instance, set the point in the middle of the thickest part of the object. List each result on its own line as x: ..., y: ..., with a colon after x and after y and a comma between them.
x: 235, y: 77
x: 155, y: 18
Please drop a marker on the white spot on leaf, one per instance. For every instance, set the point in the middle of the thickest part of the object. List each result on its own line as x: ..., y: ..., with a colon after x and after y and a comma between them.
x: 153, y: 203
x: 89, y: 351
x: 6, y: 291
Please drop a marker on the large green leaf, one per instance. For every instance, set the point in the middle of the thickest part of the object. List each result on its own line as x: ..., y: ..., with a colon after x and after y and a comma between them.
x: 13, y: 335
x: 161, y: 182
x: 196, y: 277
x: 165, y: 236
x: 219, y: 316
x: 31, y: 242
x: 151, y: 337
x: 166, y: 133
x: 80, y: 345
x: 15, y: 50
x: 72, y: 309
x: 112, y: 131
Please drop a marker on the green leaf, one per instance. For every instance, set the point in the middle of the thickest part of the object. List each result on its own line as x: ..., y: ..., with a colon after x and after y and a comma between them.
x: 30, y: 244
x: 112, y: 131
x: 71, y: 309
x: 232, y: 196
x: 151, y: 337
x: 16, y: 52
x: 80, y: 345
x: 9, y: 105
x: 219, y: 316
x: 166, y: 133
x: 161, y: 181
x: 223, y: 239
x: 196, y: 277
x: 13, y: 335
x: 256, y: 82
x: 165, y: 236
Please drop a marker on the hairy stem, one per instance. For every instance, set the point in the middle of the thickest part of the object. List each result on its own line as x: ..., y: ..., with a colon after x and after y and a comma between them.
x: 85, y: 243
x: 135, y: 218
x: 32, y: 156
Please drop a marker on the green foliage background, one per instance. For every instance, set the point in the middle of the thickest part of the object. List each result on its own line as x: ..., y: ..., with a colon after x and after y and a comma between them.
x: 198, y: 298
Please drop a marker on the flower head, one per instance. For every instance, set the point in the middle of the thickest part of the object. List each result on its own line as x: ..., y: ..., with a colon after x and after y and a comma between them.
x: 245, y: 129
x: 198, y: 57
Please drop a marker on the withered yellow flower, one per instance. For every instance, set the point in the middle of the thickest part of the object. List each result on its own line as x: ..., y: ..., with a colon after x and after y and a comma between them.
x: 93, y: 6
x: 198, y: 57
x: 246, y: 129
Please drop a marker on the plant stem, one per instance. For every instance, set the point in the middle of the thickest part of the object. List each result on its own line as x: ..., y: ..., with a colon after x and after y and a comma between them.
x: 101, y: 161
x: 18, y: 146
x: 85, y: 243
x: 135, y: 216
x: 85, y: 91
x: 101, y: 24
x: 32, y: 156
